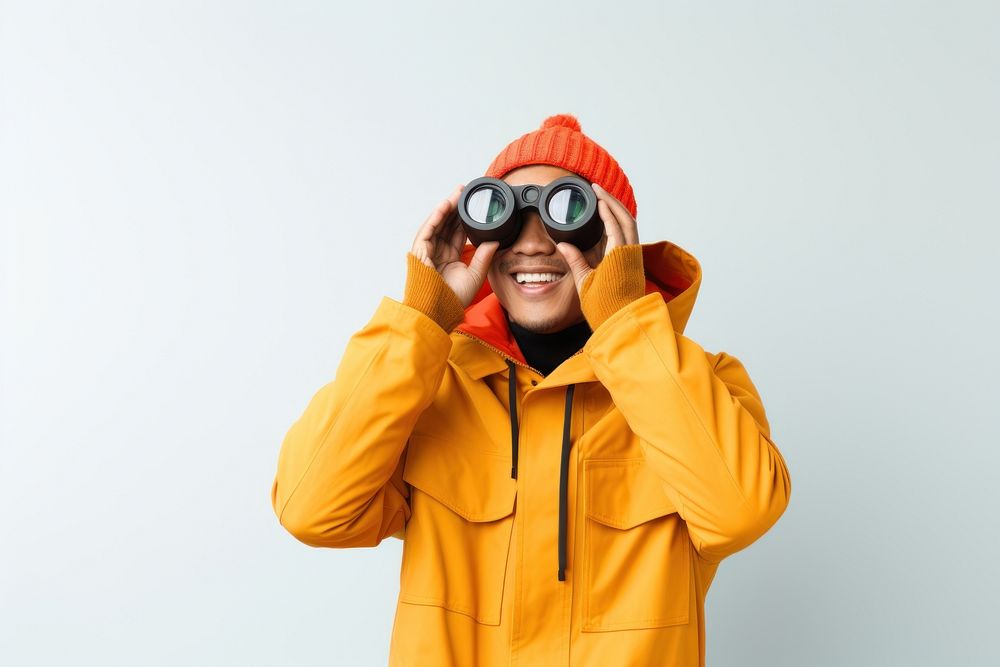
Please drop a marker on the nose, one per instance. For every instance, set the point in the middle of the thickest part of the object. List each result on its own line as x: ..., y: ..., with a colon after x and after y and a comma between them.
x: 533, y: 239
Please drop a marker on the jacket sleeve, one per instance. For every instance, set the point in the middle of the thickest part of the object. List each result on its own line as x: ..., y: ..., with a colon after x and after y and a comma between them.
x: 339, y: 479
x: 701, y: 425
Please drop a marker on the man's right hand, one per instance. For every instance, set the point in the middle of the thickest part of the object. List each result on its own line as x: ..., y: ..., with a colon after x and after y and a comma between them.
x: 439, y: 245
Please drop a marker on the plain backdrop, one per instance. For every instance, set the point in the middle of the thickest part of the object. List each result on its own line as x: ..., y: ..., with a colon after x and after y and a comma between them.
x: 202, y: 201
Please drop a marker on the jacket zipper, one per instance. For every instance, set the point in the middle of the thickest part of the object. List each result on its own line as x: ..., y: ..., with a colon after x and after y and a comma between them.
x: 507, y: 356
x: 499, y: 351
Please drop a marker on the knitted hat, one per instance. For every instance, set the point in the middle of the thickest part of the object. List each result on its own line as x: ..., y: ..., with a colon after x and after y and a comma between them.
x: 559, y: 142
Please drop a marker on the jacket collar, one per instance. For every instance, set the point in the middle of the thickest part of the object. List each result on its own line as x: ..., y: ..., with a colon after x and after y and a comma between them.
x: 484, y: 339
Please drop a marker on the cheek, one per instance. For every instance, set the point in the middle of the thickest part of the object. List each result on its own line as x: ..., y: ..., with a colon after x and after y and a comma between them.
x: 496, y: 280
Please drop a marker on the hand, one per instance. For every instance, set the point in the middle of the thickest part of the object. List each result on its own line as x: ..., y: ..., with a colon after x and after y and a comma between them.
x: 439, y: 245
x: 619, y: 229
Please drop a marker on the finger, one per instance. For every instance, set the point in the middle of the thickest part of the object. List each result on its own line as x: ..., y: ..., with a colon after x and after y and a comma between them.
x: 423, y: 243
x: 458, y: 236
x: 630, y: 230
x: 479, y: 265
x: 434, y: 220
x: 437, y: 218
x: 629, y: 226
x: 578, y: 264
x: 452, y: 219
x: 611, y: 226
x: 448, y: 206
x: 426, y: 232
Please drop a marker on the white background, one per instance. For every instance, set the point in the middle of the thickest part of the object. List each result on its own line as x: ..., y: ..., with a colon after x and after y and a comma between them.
x: 200, y: 202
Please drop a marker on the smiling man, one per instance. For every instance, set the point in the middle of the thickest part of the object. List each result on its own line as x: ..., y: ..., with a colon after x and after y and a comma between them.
x: 532, y: 278
x: 565, y: 467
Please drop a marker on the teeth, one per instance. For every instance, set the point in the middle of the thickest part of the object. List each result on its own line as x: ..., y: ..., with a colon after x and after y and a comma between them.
x: 537, y: 277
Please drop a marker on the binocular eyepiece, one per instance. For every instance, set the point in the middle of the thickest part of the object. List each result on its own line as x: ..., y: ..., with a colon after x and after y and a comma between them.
x: 490, y: 210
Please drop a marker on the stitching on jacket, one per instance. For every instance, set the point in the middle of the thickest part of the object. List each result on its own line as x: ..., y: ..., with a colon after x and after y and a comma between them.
x: 687, y: 401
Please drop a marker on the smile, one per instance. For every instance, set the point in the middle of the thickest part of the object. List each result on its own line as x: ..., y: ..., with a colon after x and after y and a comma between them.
x: 532, y: 278
x: 536, y: 283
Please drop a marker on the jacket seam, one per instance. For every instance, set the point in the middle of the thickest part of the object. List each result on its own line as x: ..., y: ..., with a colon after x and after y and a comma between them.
x: 336, y: 420
x: 391, y: 329
x: 687, y: 401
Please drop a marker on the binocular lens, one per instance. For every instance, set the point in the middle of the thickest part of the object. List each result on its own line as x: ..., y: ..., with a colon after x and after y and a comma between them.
x: 567, y: 206
x: 486, y: 205
x: 493, y: 210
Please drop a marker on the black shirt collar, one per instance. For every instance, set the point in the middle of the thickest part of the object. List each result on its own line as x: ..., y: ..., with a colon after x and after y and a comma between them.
x: 545, y: 351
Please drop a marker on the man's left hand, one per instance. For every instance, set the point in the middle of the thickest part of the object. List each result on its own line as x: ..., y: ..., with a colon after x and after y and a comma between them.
x: 619, y: 229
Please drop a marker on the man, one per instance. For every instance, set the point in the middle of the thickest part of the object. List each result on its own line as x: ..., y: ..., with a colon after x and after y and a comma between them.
x: 566, y: 468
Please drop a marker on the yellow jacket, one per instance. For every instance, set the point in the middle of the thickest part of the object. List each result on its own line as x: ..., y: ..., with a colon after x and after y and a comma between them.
x: 581, y: 527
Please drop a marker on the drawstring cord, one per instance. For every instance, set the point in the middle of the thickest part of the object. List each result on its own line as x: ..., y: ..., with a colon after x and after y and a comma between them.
x: 512, y: 406
x: 563, y: 480
x: 564, y: 461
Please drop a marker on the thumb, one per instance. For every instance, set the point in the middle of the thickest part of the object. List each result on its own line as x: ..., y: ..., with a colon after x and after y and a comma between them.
x: 479, y: 265
x: 577, y: 262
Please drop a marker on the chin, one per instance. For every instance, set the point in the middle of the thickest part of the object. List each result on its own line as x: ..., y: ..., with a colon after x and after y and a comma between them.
x: 541, y: 319
x: 542, y: 311
x: 540, y: 324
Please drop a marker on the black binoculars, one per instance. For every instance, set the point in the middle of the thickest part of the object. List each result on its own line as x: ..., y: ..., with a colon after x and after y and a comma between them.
x: 490, y: 210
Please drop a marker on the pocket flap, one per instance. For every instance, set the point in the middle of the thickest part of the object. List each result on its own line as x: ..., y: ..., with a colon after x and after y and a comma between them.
x: 471, y: 482
x: 623, y: 493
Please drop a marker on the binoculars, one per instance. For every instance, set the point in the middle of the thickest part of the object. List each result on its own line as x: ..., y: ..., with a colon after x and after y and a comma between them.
x: 491, y: 209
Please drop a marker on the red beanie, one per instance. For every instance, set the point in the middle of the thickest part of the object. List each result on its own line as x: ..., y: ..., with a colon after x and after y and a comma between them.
x: 559, y: 142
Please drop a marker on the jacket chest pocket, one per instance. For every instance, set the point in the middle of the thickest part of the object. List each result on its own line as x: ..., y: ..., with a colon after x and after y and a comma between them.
x: 457, y: 539
x: 637, y: 559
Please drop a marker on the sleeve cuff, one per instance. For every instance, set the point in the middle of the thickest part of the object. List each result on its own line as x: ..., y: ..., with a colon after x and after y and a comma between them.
x: 427, y: 291
x: 617, y: 281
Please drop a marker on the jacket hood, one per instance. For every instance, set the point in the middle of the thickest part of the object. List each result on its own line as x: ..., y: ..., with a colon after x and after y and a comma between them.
x: 670, y: 270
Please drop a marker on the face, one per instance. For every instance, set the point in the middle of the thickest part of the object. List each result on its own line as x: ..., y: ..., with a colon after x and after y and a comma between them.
x: 551, y: 304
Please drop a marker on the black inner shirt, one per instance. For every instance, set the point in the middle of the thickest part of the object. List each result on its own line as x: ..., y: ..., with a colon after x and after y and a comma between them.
x: 545, y: 351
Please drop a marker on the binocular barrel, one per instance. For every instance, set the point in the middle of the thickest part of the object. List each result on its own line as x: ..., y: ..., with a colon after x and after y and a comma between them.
x: 491, y: 210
